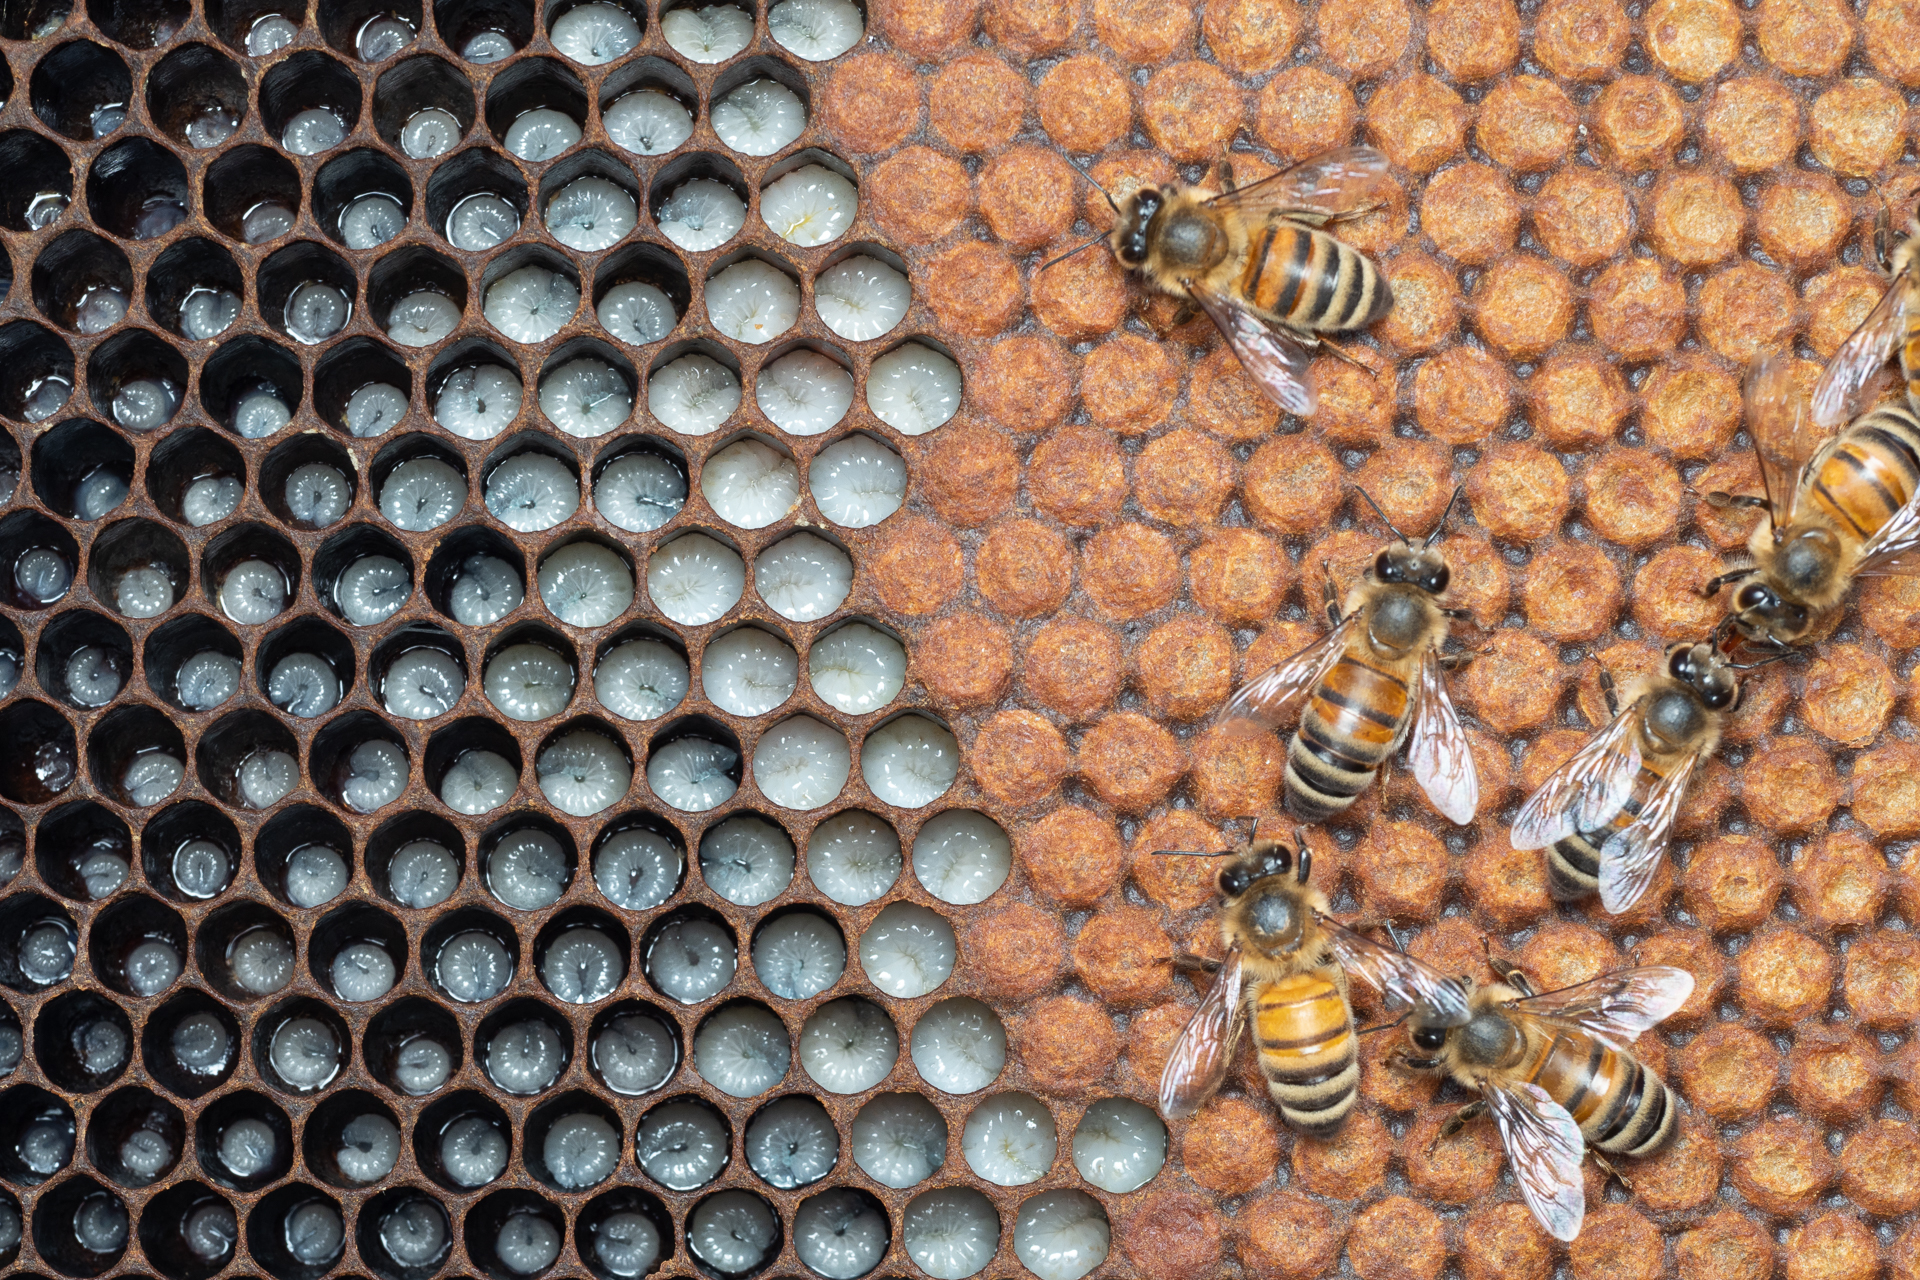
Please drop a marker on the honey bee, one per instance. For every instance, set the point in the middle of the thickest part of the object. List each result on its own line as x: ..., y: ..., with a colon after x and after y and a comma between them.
x: 1553, y: 1067
x: 1371, y: 683
x: 1259, y: 261
x: 1606, y: 814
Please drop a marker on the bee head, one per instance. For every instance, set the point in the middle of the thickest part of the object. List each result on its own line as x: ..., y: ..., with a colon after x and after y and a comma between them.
x: 1259, y: 862
x: 1760, y: 612
x: 1421, y: 567
x: 1704, y: 669
x: 1129, y: 238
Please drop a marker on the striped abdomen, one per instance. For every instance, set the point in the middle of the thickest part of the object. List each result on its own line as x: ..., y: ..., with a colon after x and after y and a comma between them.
x: 1310, y: 281
x: 1354, y: 719
x: 1868, y: 471
x: 1619, y: 1105
x: 1573, y: 864
x: 1303, y: 1037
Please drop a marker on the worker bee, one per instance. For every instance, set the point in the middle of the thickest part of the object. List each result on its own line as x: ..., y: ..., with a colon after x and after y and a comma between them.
x: 1258, y: 260
x: 1606, y: 814
x: 1371, y: 683
x: 1893, y: 325
x: 1552, y: 1067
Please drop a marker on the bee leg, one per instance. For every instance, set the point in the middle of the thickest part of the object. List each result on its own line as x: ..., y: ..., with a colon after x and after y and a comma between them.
x: 1727, y: 579
x: 1337, y: 353
x: 1458, y: 1121
x: 1612, y: 695
x: 1455, y: 661
x: 1187, y: 962
x: 1358, y: 211
x: 1882, y: 245
x: 1400, y: 1062
x: 1331, y: 594
x: 1723, y: 500
x: 1612, y: 1172
x: 1227, y: 184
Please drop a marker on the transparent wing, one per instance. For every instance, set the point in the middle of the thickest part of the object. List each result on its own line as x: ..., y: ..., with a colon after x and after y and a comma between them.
x: 1837, y: 395
x: 1262, y: 701
x: 1614, y: 1007
x: 1544, y: 1146
x: 1205, y: 1049
x: 1629, y: 857
x: 1276, y: 361
x: 1397, y: 975
x: 1784, y: 434
x: 1584, y: 793
x: 1438, y: 751
x: 1329, y: 184
x: 1894, y: 548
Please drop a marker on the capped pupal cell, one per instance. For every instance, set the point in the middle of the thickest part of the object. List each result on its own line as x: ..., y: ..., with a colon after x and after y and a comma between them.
x: 150, y: 777
x: 304, y: 685
x: 857, y: 668
x: 803, y: 577
x: 733, y: 1232
x: 422, y: 494
x: 640, y: 680
x: 586, y: 397
x: 372, y: 589
x: 748, y: 672
x: 907, y: 951
x: 636, y: 313
x: 798, y: 955
x: 899, y: 1140
x: 267, y: 777
x: 580, y: 1150
x: 478, y: 402
x: 251, y: 592
x: 591, y: 213
x: 585, y: 584
x: 527, y: 869
x: 810, y: 206
x: 525, y: 1057
x: 310, y: 132
x: 848, y: 1045
x: 861, y: 298
x: 541, y: 134
x: 701, y: 213
x: 369, y: 1146
x: 710, y: 34
x: 951, y: 1233
x: 429, y: 133
x: 423, y: 873
x: 682, y: 1145
x: 374, y: 410
x: 750, y: 484
x: 473, y: 1151
x: 693, y: 774
x: 637, y: 869
x: 582, y: 965
x: 801, y: 763
x: 532, y: 304
x: 369, y: 221
x: 816, y: 30
x: 421, y: 684
x: 594, y: 34
x: 634, y: 1054
x: 647, y: 122
x: 910, y: 762
x: 959, y: 1046
x: 478, y: 782
x: 485, y: 589
x: 627, y: 1245
x: 527, y: 1244
x: 1061, y: 1234
x: 840, y: 1233
x: 480, y: 221
x: 472, y: 967
x: 914, y: 389
x: 422, y: 318
x: 317, y: 495
x: 532, y: 491
x: 753, y: 301
x: 695, y: 580
x: 742, y: 1050
x: 759, y: 118
x: 746, y: 860
x: 315, y: 875
x: 791, y: 1143
x: 1010, y: 1140
x: 804, y: 393
x: 962, y: 856
x: 583, y: 772
x: 858, y: 482
x: 362, y: 972
x: 853, y: 858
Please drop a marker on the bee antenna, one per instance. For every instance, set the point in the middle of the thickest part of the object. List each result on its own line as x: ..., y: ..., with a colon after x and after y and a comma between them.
x: 1393, y: 937
x: 1092, y: 181
x: 1443, y: 517
x: 1069, y: 253
x: 1383, y: 515
x: 1192, y: 853
x: 1385, y: 1026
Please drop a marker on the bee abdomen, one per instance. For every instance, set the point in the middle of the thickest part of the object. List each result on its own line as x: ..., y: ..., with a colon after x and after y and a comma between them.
x: 1640, y: 1118
x: 1311, y: 281
x: 1353, y: 721
x: 1573, y: 868
x: 1303, y: 1036
x: 1870, y: 471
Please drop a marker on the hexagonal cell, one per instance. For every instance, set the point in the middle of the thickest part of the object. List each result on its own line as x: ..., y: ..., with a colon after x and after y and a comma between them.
x: 529, y: 293
x: 404, y: 1234
x: 137, y: 757
x: 196, y: 477
x: 352, y: 1139
x: 249, y: 760
x: 477, y: 199
x: 476, y: 576
x: 250, y: 573
x: 419, y: 672
x: 245, y: 951
x: 360, y: 762
x: 138, y: 946
x: 82, y: 469
x: 45, y: 756
x: 511, y: 1235
x: 197, y: 95
x: 252, y: 194
x: 531, y: 483
x: 81, y: 1227
x: 362, y: 199
x: 300, y: 1046
x: 362, y: 387
x: 194, y: 289
x: 760, y: 106
x: 39, y: 367
x: 190, y: 1044
x: 244, y: 1141
x: 809, y: 198
x: 309, y: 103
x: 648, y: 106
x: 296, y: 1232
x: 416, y: 296
x: 537, y: 108
x: 485, y: 32
x: 37, y: 1135
x: 135, y: 1137
x: 589, y: 201
x: 462, y: 1141
x: 633, y: 1048
x: 698, y: 200
x: 417, y: 859
x: 572, y: 1142
x: 82, y: 282
x: 83, y: 851
x: 791, y: 1142
x: 694, y: 764
x: 363, y: 575
x: 190, y: 852
x: 136, y: 189
x: 640, y: 292
x: 370, y: 30
x: 308, y: 482
x: 357, y: 952
x: 624, y: 1233
x: 82, y: 1041
x: 305, y: 668
x: 307, y: 292
x: 43, y: 181
x: 34, y: 20
x: 413, y: 1046
x: 84, y: 659
x: 707, y: 33
x: 139, y: 24
x: 473, y: 765
x: 304, y: 857
x: 524, y: 1047
x: 423, y: 107
x: 733, y: 1233
x: 581, y: 955
x: 189, y: 1231
x: 470, y: 955
x: 137, y: 380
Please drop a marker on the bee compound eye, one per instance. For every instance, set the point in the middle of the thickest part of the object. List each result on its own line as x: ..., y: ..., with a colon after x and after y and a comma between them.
x: 1234, y: 881
x: 1385, y: 569
x: 1754, y: 596
x: 1437, y: 580
x: 1429, y: 1037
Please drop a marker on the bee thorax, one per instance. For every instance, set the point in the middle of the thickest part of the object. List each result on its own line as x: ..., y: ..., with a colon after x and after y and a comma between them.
x: 1673, y: 718
x: 1400, y: 620
x: 1271, y: 914
x: 1190, y: 242
x: 1807, y: 559
x: 1489, y: 1040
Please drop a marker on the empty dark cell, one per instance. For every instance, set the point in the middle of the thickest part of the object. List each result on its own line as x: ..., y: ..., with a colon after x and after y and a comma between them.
x: 33, y: 19
x: 197, y: 95
x: 43, y: 755
x: 81, y: 90
x: 137, y: 190
x: 139, y: 24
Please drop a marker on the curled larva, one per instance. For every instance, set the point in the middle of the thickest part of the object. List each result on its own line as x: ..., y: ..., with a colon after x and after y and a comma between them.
x: 585, y: 584
x: 586, y: 397
x: 43, y: 574
x: 816, y: 30
x: 151, y: 776
x: 861, y: 298
x: 484, y: 590
x: 422, y: 318
x: 801, y: 763
x: 209, y: 311
x: 478, y: 782
x: 634, y: 1053
x: 701, y: 213
x: 484, y: 47
x: 422, y: 494
x: 380, y: 37
x: 640, y: 680
x: 531, y: 304
x: 423, y: 873
x: 415, y: 1232
x: 304, y: 685
x: 266, y: 777
x: 848, y: 1045
x: 93, y: 676
x: 532, y: 491
x: 691, y: 960
x: 312, y: 131
x: 259, y: 961
x: 907, y: 951
x: 305, y: 1053
x: 749, y: 484
x: 251, y: 592
x: 204, y: 681
x: 803, y: 577
x: 710, y: 34
x: 1119, y: 1145
x: 366, y: 222
x: 853, y: 858
x: 591, y: 214
x: 804, y: 393
x: 810, y: 206
x: 211, y: 499
x: 857, y: 668
x: 692, y: 774
x: 478, y: 402
x: 857, y: 482
x: 527, y: 869
x: 626, y: 1245
x: 421, y: 684
x: 372, y: 589
x: 362, y: 972
x: 480, y: 221
x: 734, y: 1231
x: 962, y: 856
x: 910, y: 762
x: 580, y: 1150
x: 592, y: 34
x: 637, y: 868
x: 525, y: 1057
x: 473, y: 1151
x: 752, y: 301
x: 315, y: 312
x: 527, y: 1243
x: 759, y: 118
x: 742, y: 1050
x: 647, y: 122
x: 899, y: 1140
x: 636, y: 313
x: 748, y: 672
x: 146, y: 591
x: 583, y: 965
x: 99, y: 492
x: 959, y: 1046
x: 746, y: 860
x: 541, y: 134
x: 261, y: 412
x: 951, y: 1233
x: 639, y: 492
x: 317, y: 495
x: 1010, y: 1140
x: 694, y: 580
x: 583, y: 772
x: 693, y: 395
x: 374, y: 410
x: 913, y: 389
x: 799, y: 955
x: 429, y: 133
x: 791, y: 1143
x: 1061, y: 1234
x: 101, y: 306
x: 840, y: 1233
x: 375, y: 775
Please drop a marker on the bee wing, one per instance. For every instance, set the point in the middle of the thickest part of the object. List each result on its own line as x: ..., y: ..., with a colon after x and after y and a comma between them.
x: 1614, y: 1007
x: 1784, y: 434
x: 1263, y: 700
x: 1628, y: 858
x: 1276, y: 361
x: 1397, y: 975
x: 1205, y: 1049
x: 1438, y: 751
x: 1544, y: 1146
x: 1586, y: 791
x: 1836, y: 395
x: 1333, y: 183
x: 1894, y: 548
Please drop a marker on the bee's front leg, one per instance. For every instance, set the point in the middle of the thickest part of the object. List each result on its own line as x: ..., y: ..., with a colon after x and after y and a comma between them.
x: 1612, y: 1172
x: 1458, y: 1121
x: 1400, y: 1062
x: 1187, y: 962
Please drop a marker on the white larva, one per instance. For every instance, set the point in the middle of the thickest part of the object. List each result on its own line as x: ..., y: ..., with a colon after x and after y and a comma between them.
x: 478, y: 782
x: 585, y: 584
x: 582, y: 965
x: 742, y: 1050
x: 910, y: 762
x: 583, y: 772
x: 750, y: 484
x: 693, y: 395
x: 304, y: 1053
x: 591, y: 214
x: 959, y: 1046
x: 951, y: 1233
x: 746, y: 860
x: 858, y: 482
x: 376, y: 775
x: 899, y: 1140
x: 586, y: 397
x: 791, y: 1143
x: 208, y: 311
x: 101, y: 307
x: 748, y: 672
x: 634, y: 1054
x: 422, y: 874
x: 260, y: 961
x: 372, y: 589
x: 315, y: 312
x: 861, y: 298
x: 150, y: 777
x: 734, y: 1231
x: 803, y: 577
x: 580, y: 1150
x: 12, y: 1045
x: 527, y: 869
x: 143, y: 1153
x: 266, y: 777
x: 485, y: 47
x: 1010, y: 1140
x: 315, y: 875
x: 647, y: 122
x: 627, y: 1245
x: 93, y: 677
x: 144, y: 403
x: 471, y: 967
x: 422, y: 494
x: 853, y: 858
x: 815, y: 29
x: 266, y: 222
x: 211, y: 499
x: 44, y: 1145
x: 810, y: 206
x: 100, y: 1223
x: 962, y: 856
x: 46, y: 954
x: 592, y: 34
x: 798, y: 955
x: 206, y: 680
x: 369, y: 1146
x: 382, y: 36
x: 639, y: 492
x: 421, y: 1066
x: 103, y: 872
x: 527, y: 1243
x: 422, y: 318
x: 541, y: 134
x: 317, y: 495
x: 1119, y: 1145
x: 429, y: 133
x: 145, y: 591
x: 640, y: 680
x: 681, y: 1145
x: 753, y: 301
x: 710, y: 34
x: 914, y: 389
x: 701, y: 213
x: 362, y: 972
x: 43, y: 574
x: 248, y: 1147
x: 695, y: 580
x: 692, y: 774
x: 801, y: 763
x: 421, y: 684
x: 636, y: 313
x: 484, y: 590
x: 532, y: 304
x: 848, y: 1045
x: 415, y: 1232
x: 907, y: 951
x: 759, y: 118
x: 804, y: 393
x: 637, y: 869
x: 210, y: 1231
x: 478, y: 402
x: 473, y: 1152
x: 857, y: 668
x: 374, y: 410
x: 251, y: 592
x: 532, y: 491
x: 840, y: 1234
x: 525, y: 1057
x: 151, y: 967
x: 480, y: 221
x: 304, y: 685
x: 10, y: 668
x: 201, y: 1043
x: 1061, y: 1235
x: 312, y: 131
x: 367, y: 222
x: 201, y: 869
x: 98, y: 493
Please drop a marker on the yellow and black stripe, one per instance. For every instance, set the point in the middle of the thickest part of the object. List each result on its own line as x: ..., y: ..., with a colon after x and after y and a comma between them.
x: 1303, y: 1036
x: 1868, y: 471
x: 1573, y: 864
x: 1619, y: 1105
x: 1353, y: 720
x: 1311, y: 282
